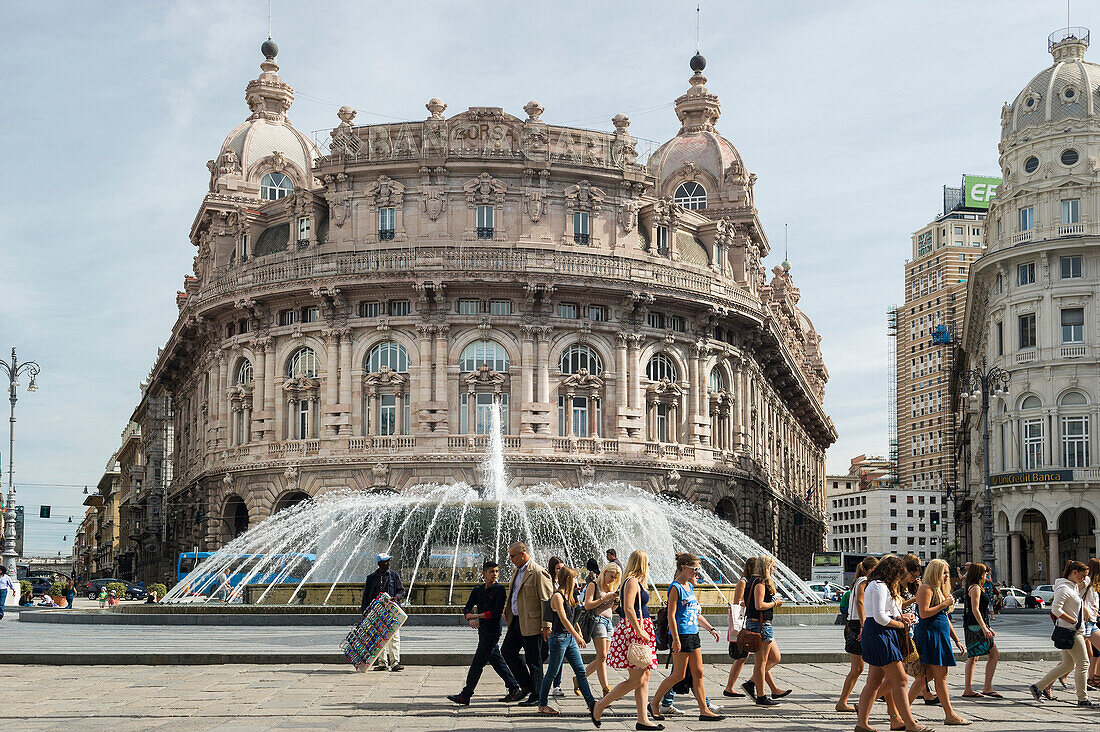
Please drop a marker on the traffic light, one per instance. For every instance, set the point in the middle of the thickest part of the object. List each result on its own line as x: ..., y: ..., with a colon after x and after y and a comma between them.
x: 935, y: 516
x: 43, y: 512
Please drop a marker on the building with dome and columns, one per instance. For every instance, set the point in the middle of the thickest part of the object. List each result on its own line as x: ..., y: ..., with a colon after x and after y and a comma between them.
x: 1032, y: 311
x: 355, y: 312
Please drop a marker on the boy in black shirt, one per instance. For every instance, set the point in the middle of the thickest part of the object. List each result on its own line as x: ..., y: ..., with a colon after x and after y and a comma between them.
x: 489, y: 600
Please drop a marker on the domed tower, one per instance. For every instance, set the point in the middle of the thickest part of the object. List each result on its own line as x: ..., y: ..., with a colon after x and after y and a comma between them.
x: 1031, y: 311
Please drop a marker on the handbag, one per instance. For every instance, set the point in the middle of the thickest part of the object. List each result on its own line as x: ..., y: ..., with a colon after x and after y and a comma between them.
x: 586, y: 619
x: 909, y: 652
x: 1064, y: 638
x: 749, y: 640
x: 736, y: 621
x: 639, y: 655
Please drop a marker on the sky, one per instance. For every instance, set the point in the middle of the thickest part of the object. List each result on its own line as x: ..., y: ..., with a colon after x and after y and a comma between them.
x: 854, y: 115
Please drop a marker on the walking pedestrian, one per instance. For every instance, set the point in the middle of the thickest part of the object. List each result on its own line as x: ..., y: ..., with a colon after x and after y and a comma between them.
x: 565, y: 641
x: 853, y: 627
x: 553, y: 565
x: 385, y: 580
x: 483, y: 612
x: 600, y: 598
x: 739, y: 657
x: 69, y: 594
x: 529, y: 587
x: 933, y: 633
x: 102, y: 597
x: 633, y: 643
x: 909, y: 588
x: 613, y: 556
x: 593, y: 568
x: 1092, y: 617
x: 759, y: 609
x: 684, y: 619
x: 6, y: 586
x: 881, y: 643
x: 979, y: 636
x: 1067, y: 607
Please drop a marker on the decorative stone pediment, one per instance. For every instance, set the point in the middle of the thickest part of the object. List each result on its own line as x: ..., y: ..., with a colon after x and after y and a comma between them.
x: 665, y: 388
x: 386, y: 377
x: 484, y: 189
x: 385, y: 191
x: 484, y: 376
x: 301, y: 387
x: 582, y: 380
x: 584, y: 196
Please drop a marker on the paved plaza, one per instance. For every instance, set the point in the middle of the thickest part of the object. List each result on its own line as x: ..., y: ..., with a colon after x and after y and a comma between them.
x: 312, y: 697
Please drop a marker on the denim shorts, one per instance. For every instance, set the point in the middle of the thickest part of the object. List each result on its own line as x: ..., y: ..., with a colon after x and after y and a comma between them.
x: 766, y: 631
x: 602, y: 628
x: 1090, y: 628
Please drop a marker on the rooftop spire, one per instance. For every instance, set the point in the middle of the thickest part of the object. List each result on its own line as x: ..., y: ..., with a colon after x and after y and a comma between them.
x: 698, y: 109
x: 268, y: 96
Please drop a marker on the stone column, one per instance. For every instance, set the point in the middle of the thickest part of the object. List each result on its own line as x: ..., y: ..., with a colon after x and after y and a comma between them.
x: 620, y: 366
x: 332, y: 377
x: 271, y: 395
x: 441, y: 373
x: 370, y: 419
x: 1053, y: 571
x: 1017, y: 565
x: 693, y: 400
x: 280, y: 427
x: 738, y: 406
x: 526, y: 366
x: 399, y: 413
x: 424, y: 368
x: 544, y: 363
x: 1000, y: 547
x: 637, y: 399
x: 259, y: 383
x: 220, y: 393
x: 247, y: 426
x: 471, y: 413
x: 345, y: 376
x: 651, y: 421
x: 569, y: 415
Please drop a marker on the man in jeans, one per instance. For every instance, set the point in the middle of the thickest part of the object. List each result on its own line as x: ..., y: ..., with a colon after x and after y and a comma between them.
x: 488, y: 599
x: 530, y: 586
x: 385, y: 580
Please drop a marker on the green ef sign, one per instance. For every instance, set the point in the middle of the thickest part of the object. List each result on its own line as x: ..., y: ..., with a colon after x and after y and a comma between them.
x: 978, y: 191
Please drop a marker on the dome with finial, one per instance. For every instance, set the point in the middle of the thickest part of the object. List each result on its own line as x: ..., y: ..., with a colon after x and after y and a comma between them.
x: 265, y: 143
x: 785, y: 265
x: 699, y: 159
x: 1066, y: 92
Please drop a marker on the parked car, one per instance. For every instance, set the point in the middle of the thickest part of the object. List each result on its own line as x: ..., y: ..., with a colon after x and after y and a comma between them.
x: 1044, y: 593
x: 1015, y: 598
x: 827, y: 591
x: 135, y: 590
x: 91, y: 589
x: 39, y: 585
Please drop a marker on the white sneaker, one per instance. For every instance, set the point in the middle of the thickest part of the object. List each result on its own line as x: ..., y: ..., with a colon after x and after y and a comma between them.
x: 556, y: 691
x: 670, y: 709
x: 714, y: 708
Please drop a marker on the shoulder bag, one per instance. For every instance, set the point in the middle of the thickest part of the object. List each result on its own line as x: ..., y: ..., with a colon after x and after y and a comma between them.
x: 1064, y: 638
x: 586, y: 619
x: 749, y: 641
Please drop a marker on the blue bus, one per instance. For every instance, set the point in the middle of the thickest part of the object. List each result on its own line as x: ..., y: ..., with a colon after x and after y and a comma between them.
x: 289, y: 568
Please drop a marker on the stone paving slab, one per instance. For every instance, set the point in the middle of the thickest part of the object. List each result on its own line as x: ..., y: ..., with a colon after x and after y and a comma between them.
x: 310, y: 697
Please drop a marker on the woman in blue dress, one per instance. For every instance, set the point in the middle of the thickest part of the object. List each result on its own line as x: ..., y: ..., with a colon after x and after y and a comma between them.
x: 934, y: 633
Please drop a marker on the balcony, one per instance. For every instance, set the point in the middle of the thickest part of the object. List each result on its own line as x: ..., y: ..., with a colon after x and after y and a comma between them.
x: 1027, y: 356
x: 580, y: 239
x: 1022, y: 238
x: 1077, y: 229
x: 1074, y: 350
x: 591, y: 445
x: 385, y: 234
x: 382, y: 443
x: 485, y: 232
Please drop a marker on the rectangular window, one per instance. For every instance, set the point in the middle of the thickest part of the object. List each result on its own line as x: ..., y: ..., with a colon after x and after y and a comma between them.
x: 303, y: 228
x: 242, y: 326
x: 958, y: 230
x: 387, y: 414
x: 1033, y: 444
x: 484, y: 222
x: 483, y: 413
x: 310, y: 315
x: 386, y: 218
x: 1075, y: 442
x: 303, y: 419
x: 1025, y: 274
x: 597, y: 313
x: 398, y: 308
x: 1071, y: 211
x: 662, y: 422
x: 244, y: 247
x: 368, y: 309
x: 1071, y: 268
x: 500, y: 307
x: 286, y: 317
x: 567, y: 309
x: 580, y: 227
x: 662, y: 240
x: 1027, y: 218
x: 1073, y: 325
x: 656, y: 320
x: 676, y: 323
x: 230, y: 329
x: 468, y: 307
x: 1000, y: 339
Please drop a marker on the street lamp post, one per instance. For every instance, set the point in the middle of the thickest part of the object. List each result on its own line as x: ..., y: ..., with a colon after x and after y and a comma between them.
x: 13, y: 369
x: 981, y: 383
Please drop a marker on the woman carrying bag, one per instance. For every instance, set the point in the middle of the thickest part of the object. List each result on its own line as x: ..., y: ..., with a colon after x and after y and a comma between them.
x: 1067, y: 607
x: 852, y: 628
x: 736, y: 623
x: 933, y: 634
x: 600, y: 599
x: 565, y: 642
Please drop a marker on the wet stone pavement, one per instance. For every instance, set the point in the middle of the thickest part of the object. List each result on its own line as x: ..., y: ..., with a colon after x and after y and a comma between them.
x: 313, y: 697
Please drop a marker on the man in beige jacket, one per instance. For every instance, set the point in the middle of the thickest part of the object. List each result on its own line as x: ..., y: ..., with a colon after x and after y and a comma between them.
x: 529, y: 587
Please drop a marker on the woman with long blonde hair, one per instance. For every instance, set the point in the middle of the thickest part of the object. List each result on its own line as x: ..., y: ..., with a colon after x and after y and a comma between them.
x: 634, y: 630
x: 739, y: 599
x: 933, y: 633
x: 759, y: 607
x: 600, y: 598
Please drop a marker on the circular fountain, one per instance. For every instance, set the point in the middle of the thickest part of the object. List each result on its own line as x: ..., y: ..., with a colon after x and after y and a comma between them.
x: 320, y: 551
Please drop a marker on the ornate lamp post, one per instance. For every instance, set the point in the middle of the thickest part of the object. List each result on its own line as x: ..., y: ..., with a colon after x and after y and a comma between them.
x: 980, y: 384
x: 13, y: 369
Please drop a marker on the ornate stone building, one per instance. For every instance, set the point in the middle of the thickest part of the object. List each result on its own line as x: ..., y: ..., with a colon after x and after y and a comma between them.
x: 356, y: 311
x: 1032, y: 310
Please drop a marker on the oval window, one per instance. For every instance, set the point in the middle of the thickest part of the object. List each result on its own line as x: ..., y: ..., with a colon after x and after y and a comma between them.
x: 1031, y: 164
x: 1030, y: 103
x: 1069, y: 157
x: 1069, y: 93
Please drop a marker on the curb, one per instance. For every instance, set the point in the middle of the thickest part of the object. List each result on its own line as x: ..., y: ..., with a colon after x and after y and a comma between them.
x: 334, y: 658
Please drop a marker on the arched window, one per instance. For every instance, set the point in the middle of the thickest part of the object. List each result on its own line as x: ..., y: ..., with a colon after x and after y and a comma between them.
x: 691, y: 195
x: 716, y: 382
x: 274, y: 186
x: 580, y: 356
x: 389, y: 354
x: 484, y: 352
x: 1031, y: 402
x: 303, y: 363
x: 244, y: 373
x: 661, y: 367
x: 1073, y: 399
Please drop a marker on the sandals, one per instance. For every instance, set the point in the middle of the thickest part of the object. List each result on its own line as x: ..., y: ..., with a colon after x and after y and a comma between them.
x: 957, y: 722
x: 861, y: 728
x: 975, y: 695
x: 991, y: 695
x: 844, y: 707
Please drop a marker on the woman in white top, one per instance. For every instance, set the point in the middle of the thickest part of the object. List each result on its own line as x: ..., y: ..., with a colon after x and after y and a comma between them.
x: 852, y: 630
x: 600, y: 597
x: 881, y: 642
x: 1067, y: 607
x: 1092, y: 617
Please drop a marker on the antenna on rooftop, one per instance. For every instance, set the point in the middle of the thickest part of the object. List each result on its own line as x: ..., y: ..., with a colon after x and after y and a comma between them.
x: 269, y: 18
x: 785, y: 242
x: 697, y: 13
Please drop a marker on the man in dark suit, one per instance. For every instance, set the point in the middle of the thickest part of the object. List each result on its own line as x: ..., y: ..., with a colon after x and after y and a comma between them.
x: 530, y: 586
x: 385, y: 580
x: 483, y: 612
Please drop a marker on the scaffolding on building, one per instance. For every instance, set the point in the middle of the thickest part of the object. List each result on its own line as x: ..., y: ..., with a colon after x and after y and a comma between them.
x: 892, y: 393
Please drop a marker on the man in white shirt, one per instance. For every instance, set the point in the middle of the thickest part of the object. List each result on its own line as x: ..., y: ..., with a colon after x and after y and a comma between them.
x: 6, y: 586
